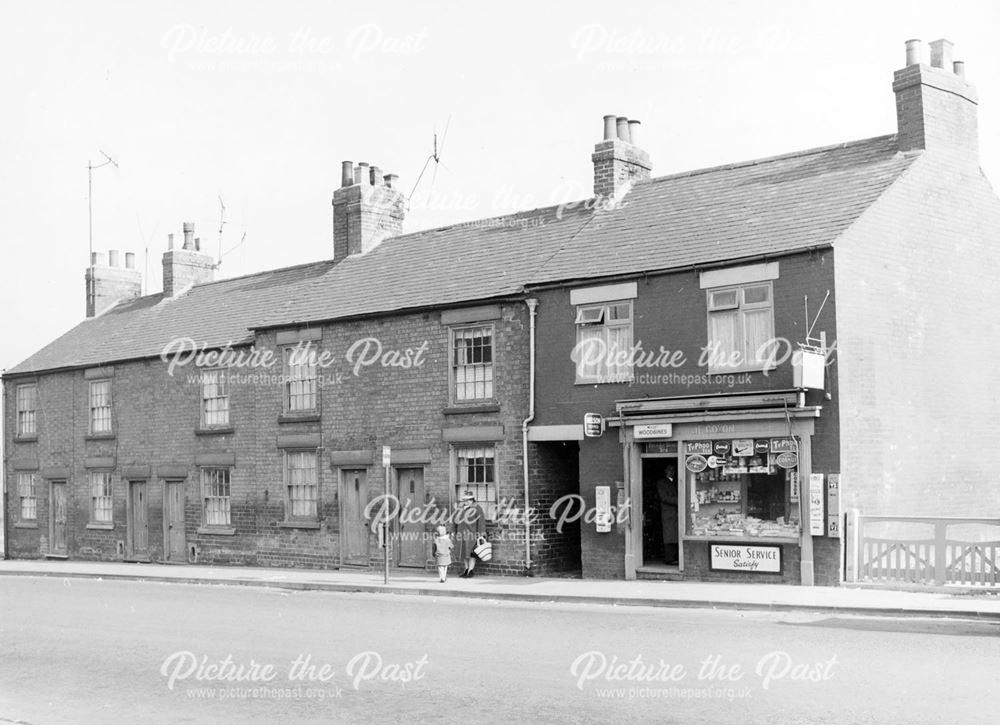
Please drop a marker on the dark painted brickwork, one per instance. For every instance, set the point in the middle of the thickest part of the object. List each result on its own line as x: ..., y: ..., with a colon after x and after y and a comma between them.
x: 670, y: 312
x: 917, y: 294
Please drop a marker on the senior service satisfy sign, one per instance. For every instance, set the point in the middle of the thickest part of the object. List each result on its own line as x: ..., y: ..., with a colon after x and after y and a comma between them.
x: 739, y: 557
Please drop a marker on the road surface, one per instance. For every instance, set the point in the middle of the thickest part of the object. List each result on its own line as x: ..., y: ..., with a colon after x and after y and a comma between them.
x: 90, y: 651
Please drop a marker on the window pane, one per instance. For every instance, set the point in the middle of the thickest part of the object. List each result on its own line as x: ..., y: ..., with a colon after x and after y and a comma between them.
x: 620, y: 311
x: 100, y: 406
x: 300, y: 376
x: 590, y: 353
x: 27, y: 400
x: 473, y: 363
x: 216, y: 493
x: 757, y: 326
x: 619, y: 366
x: 722, y: 340
x: 477, y: 473
x: 101, y: 497
x: 215, y: 397
x: 26, y: 491
x: 590, y: 315
x: 756, y: 295
x: 301, y: 477
x: 724, y: 299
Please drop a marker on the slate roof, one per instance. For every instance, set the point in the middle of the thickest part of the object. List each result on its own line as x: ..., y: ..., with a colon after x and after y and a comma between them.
x: 765, y: 207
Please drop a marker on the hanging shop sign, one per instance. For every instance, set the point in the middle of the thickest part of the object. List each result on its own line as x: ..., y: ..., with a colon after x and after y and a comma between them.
x: 701, y: 448
x: 737, y: 557
x: 787, y: 460
x: 593, y: 425
x: 743, y: 447
x: 653, y: 430
x: 761, y: 446
x: 721, y: 448
x: 817, y: 513
x: 696, y: 463
x: 782, y: 445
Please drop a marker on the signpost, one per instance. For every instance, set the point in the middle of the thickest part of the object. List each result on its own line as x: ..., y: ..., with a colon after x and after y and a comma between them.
x: 386, y: 461
x: 833, y: 505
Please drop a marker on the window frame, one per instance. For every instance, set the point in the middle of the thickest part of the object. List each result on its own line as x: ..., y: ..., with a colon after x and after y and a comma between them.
x: 33, y: 479
x: 287, y: 381
x: 203, y: 483
x: 92, y: 408
x: 108, y: 480
x: 490, y: 505
x: 19, y: 427
x: 222, y: 380
x: 290, y: 517
x: 453, y: 364
x: 586, y: 319
x: 748, y: 363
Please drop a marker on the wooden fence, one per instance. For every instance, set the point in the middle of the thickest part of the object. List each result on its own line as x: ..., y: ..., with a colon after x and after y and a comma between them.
x: 923, y: 550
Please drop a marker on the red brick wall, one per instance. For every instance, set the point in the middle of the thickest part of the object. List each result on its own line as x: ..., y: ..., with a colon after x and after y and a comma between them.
x: 156, y: 416
x: 916, y: 289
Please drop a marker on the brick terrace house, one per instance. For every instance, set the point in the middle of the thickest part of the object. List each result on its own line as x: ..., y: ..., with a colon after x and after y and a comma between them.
x: 264, y: 455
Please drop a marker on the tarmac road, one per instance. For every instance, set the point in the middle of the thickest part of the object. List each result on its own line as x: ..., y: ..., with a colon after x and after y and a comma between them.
x: 83, y: 651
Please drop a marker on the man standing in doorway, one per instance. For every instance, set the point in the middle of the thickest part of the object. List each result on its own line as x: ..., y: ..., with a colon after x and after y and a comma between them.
x: 666, y: 489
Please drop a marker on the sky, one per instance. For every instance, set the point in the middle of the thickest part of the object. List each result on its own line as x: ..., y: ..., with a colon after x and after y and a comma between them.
x: 252, y: 106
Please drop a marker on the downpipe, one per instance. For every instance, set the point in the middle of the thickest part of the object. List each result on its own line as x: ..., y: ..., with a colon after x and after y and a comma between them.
x: 532, y: 310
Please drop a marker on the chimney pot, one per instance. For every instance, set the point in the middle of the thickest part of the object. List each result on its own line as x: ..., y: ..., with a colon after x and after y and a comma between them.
x: 188, y: 235
x: 361, y: 174
x: 623, y: 129
x: 633, y: 132
x: 346, y: 173
x: 93, y: 259
x: 197, y: 244
x: 376, y: 176
x: 913, y: 52
x: 610, y: 127
x: 129, y: 260
x: 391, y: 180
x: 959, y: 68
x: 170, y: 241
x: 113, y: 258
x: 941, y: 54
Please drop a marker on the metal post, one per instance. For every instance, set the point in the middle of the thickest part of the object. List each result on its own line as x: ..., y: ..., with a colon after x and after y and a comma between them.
x: 385, y: 553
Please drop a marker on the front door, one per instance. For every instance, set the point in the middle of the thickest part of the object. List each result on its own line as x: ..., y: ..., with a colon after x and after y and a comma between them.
x: 173, y: 522
x: 138, y: 520
x: 412, y: 546
x: 353, y: 524
x: 57, y: 519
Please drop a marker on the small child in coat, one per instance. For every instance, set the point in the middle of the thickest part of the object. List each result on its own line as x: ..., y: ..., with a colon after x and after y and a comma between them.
x: 442, y: 551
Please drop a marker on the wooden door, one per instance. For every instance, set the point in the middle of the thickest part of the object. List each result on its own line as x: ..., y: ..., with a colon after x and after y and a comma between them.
x: 173, y: 522
x: 411, y: 535
x: 138, y: 520
x: 57, y: 519
x: 353, y: 524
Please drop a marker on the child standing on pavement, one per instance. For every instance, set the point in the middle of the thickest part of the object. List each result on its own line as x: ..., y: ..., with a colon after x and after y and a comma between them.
x: 442, y: 552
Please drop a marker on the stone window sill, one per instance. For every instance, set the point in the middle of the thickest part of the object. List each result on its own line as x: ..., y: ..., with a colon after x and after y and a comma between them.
x: 99, y: 437
x: 299, y: 418
x: 33, y: 438
x: 471, y: 409
x: 217, y: 530
x: 25, y: 525
x: 102, y: 525
x: 298, y: 524
x: 221, y: 430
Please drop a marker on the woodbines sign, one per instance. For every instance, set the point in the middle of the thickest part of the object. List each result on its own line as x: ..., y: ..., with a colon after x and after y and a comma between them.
x: 739, y: 557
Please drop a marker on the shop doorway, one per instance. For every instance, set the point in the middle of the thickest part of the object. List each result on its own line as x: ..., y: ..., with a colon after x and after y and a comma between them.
x: 660, y: 512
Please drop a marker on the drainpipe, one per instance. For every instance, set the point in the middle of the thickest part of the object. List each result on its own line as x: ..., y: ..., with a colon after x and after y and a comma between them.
x: 532, y: 308
x: 3, y: 468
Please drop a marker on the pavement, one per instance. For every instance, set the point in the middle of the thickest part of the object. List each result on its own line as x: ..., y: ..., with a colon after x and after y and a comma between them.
x: 962, y: 603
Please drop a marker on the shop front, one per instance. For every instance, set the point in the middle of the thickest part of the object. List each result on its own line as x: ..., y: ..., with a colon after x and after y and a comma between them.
x: 716, y: 487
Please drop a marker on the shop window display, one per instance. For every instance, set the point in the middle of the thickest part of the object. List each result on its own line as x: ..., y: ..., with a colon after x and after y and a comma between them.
x: 743, y: 488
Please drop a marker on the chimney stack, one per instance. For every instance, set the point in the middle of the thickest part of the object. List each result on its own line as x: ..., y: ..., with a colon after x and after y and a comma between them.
x: 368, y: 208
x: 186, y: 266
x: 108, y: 284
x: 936, y: 108
x: 618, y: 160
